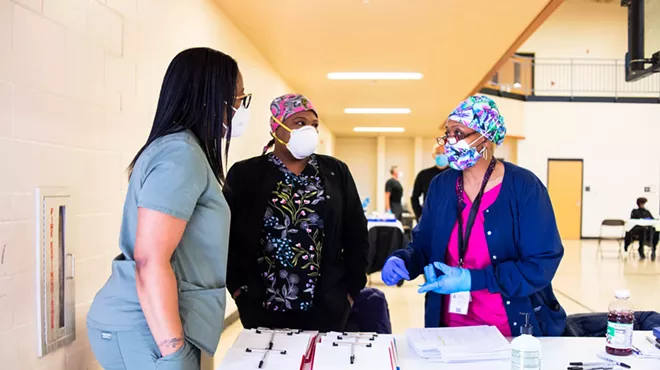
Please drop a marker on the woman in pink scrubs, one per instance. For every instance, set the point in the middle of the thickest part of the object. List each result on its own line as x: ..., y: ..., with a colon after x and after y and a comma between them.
x: 487, y: 240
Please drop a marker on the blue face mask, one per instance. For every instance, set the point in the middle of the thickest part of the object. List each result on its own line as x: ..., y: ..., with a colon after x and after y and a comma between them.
x: 441, y: 160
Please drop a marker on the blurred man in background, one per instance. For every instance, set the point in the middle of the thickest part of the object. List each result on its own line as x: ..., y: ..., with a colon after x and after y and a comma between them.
x: 394, y: 193
x: 424, y: 178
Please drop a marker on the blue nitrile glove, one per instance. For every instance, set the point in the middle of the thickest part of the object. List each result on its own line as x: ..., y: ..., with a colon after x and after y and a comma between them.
x: 394, y: 271
x: 429, y: 273
x: 454, y: 280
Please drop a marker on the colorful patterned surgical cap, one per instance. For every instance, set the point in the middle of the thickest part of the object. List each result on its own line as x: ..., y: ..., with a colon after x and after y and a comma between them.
x: 286, y: 106
x: 480, y: 113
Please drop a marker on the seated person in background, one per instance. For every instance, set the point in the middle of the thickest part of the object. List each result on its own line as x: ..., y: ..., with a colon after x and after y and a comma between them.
x: 641, y: 233
x: 424, y: 178
x: 298, y: 242
x: 489, y: 229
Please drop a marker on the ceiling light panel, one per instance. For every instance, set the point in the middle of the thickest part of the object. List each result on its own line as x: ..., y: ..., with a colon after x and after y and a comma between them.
x: 375, y: 76
x: 377, y: 110
x: 379, y: 129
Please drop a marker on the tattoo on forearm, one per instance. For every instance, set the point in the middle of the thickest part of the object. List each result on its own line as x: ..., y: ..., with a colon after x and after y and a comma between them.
x: 171, y: 343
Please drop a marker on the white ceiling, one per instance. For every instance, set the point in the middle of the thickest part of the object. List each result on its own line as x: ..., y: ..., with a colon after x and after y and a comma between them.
x: 454, y: 43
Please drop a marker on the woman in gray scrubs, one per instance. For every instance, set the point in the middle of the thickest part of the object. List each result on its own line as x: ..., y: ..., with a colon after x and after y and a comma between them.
x: 165, y: 299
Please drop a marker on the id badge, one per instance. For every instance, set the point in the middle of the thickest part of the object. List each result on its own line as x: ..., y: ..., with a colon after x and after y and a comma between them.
x: 459, y: 303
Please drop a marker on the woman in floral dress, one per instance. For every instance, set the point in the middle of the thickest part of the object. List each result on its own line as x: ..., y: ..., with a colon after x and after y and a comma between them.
x: 298, y: 242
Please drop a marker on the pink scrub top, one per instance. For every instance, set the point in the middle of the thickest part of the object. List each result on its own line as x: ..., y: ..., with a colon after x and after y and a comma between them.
x: 486, y: 308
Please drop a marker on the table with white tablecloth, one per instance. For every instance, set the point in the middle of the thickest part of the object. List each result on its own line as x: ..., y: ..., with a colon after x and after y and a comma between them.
x: 557, y: 353
x: 645, y: 223
x: 375, y: 223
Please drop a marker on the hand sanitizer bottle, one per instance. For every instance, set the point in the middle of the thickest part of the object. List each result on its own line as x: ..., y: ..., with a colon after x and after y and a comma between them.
x: 525, y: 349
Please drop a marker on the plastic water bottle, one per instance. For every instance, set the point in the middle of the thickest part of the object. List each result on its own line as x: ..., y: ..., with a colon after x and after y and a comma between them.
x: 620, y: 321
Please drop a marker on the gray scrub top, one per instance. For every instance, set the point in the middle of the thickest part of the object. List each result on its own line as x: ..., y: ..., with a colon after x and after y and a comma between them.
x: 173, y: 176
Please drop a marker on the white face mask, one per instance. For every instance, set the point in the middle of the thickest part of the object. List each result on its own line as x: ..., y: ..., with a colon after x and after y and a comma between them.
x: 239, y: 121
x: 303, y: 142
x: 400, y: 175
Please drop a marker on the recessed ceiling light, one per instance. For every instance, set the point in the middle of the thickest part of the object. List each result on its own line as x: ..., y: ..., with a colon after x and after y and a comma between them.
x: 375, y: 76
x: 379, y: 129
x: 377, y: 110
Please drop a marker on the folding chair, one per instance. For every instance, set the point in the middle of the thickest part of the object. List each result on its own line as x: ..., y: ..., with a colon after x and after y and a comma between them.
x: 611, y: 223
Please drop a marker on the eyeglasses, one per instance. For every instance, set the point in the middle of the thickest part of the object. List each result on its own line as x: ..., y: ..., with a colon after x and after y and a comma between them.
x: 245, y: 99
x: 453, y: 139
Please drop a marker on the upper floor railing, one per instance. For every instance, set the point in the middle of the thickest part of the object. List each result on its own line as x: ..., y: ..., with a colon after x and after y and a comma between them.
x: 571, y: 78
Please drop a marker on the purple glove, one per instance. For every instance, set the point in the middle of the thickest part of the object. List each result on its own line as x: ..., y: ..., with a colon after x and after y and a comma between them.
x: 394, y: 271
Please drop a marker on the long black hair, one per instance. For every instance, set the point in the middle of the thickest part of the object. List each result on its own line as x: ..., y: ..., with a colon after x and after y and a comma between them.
x: 199, y: 84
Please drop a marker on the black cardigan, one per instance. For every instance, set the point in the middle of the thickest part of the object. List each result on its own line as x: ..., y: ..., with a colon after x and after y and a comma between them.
x: 248, y: 187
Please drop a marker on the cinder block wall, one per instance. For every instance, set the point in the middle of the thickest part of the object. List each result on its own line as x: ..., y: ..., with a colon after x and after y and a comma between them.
x: 79, y: 81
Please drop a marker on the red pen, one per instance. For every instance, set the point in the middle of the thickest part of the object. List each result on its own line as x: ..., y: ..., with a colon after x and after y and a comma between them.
x: 391, y: 360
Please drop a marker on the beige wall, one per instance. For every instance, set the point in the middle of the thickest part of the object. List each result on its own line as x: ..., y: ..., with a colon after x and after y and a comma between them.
x: 326, y: 140
x: 401, y: 152
x: 508, y: 150
x: 582, y: 29
x: 359, y: 153
x: 616, y: 178
x: 362, y: 157
x: 428, y: 151
x: 79, y: 81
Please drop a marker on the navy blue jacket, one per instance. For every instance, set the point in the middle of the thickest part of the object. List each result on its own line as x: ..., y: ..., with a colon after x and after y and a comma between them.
x: 523, y: 241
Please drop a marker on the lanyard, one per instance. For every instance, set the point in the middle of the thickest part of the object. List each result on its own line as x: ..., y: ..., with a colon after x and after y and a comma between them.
x: 464, y: 236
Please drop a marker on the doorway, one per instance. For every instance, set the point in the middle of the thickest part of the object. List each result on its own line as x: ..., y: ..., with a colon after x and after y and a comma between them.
x: 565, y: 178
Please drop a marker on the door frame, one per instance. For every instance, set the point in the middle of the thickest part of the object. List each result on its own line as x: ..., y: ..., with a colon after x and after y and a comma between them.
x: 581, y: 185
x: 532, y: 56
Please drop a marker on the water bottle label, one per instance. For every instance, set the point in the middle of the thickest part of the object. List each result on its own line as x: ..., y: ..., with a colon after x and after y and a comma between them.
x: 619, y: 336
x: 525, y: 360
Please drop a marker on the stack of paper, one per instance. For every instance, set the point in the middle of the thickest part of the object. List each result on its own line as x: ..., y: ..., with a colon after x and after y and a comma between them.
x: 269, y: 349
x: 461, y: 344
x: 338, y: 351
x: 239, y: 359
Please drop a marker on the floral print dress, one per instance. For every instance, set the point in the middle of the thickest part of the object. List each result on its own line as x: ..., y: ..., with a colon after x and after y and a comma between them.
x: 292, y: 238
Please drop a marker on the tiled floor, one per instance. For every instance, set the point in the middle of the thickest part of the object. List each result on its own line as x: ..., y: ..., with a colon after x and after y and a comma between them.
x: 583, y: 283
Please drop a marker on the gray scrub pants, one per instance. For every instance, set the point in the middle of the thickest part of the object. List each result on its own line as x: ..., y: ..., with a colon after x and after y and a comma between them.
x: 137, y: 350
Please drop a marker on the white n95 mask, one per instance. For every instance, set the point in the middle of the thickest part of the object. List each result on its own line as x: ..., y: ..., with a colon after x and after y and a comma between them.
x: 239, y: 121
x: 303, y: 141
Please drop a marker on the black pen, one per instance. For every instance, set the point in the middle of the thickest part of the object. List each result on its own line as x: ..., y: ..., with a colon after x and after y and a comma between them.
x: 589, y: 364
x: 263, y: 359
x: 352, y: 354
x: 270, y: 343
x: 653, y: 341
x: 612, y: 361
